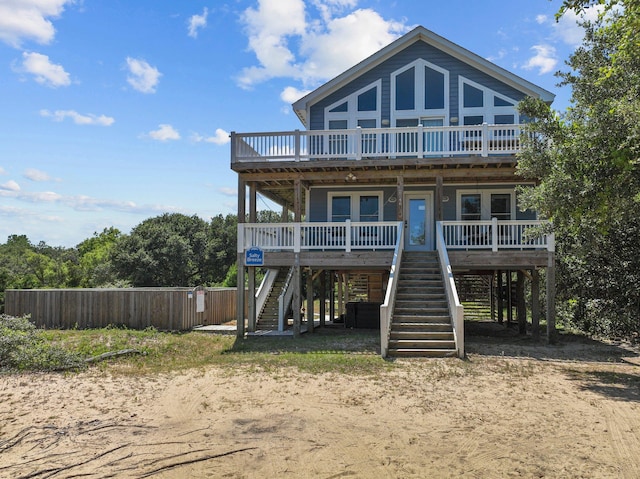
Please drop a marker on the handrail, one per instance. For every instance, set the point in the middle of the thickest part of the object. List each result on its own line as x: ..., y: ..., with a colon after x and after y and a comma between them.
x: 455, y: 307
x: 359, y: 143
x: 265, y: 287
x: 386, y: 308
x: 285, y: 299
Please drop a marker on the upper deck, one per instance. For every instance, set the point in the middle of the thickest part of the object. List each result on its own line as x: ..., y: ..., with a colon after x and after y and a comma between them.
x: 452, y: 143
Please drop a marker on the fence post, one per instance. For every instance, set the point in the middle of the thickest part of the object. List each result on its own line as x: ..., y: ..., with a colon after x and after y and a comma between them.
x: 347, y: 236
x: 358, y: 143
x: 297, y: 145
x: 420, y: 141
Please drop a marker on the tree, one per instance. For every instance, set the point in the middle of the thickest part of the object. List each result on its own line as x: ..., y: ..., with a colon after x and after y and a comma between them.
x: 94, y: 263
x: 168, y: 250
x: 587, y: 162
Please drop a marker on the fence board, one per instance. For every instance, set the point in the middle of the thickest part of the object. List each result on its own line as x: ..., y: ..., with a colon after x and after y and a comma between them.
x: 166, y: 309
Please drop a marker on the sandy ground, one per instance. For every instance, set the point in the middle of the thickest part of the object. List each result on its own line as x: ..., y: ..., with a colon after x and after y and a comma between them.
x: 510, y: 410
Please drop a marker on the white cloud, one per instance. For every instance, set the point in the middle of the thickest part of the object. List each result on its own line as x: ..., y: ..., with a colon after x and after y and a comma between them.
x: 227, y: 191
x: 142, y: 76
x: 541, y: 19
x: 3, y: 171
x: 164, y: 133
x: 544, y: 60
x: 37, y: 175
x: 568, y: 28
x: 10, y: 185
x: 221, y: 137
x: 29, y: 19
x: 291, y: 94
x: 277, y: 27
x: 197, y: 22
x: 45, y: 72
x: 78, y: 119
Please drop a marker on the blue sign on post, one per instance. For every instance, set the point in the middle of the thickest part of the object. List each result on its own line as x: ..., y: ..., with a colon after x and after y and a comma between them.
x: 254, y: 256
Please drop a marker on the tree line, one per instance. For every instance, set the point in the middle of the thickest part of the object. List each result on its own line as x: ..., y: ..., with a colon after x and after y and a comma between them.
x: 167, y: 250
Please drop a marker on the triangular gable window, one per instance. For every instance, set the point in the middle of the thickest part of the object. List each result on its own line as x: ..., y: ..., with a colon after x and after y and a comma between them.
x: 340, y: 108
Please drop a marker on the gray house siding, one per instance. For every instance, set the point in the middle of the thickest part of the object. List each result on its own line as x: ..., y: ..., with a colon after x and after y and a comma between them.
x: 419, y: 50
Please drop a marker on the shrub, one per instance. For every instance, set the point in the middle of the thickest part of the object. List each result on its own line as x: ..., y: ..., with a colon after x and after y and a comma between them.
x: 23, y: 348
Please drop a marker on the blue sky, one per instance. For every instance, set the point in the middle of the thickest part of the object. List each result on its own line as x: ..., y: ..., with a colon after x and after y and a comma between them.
x: 114, y: 111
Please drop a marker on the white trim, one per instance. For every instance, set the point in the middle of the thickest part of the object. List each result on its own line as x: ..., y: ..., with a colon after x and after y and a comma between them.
x: 419, y: 110
x: 355, y: 203
x: 352, y: 115
x: 488, y: 111
x: 485, y: 201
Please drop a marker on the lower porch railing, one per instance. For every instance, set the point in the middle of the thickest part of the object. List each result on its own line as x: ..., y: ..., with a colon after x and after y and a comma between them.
x: 496, y: 235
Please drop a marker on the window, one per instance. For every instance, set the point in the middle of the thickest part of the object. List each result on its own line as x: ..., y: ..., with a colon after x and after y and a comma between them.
x: 406, y: 90
x: 355, y: 206
x: 476, y: 205
x: 501, y: 206
x: 470, y: 207
x: 368, y: 101
x: 357, y: 109
x: 369, y: 208
x: 479, y: 104
x: 433, y: 89
x: 340, y: 208
x: 419, y: 89
x: 473, y: 97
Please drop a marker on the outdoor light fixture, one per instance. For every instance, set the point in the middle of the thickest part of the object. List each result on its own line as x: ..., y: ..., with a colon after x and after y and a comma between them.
x: 351, y: 177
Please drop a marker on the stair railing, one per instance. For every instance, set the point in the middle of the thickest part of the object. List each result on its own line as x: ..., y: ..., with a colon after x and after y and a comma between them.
x: 386, y: 309
x: 284, y: 300
x: 455, y: 307
x: 265, y: 288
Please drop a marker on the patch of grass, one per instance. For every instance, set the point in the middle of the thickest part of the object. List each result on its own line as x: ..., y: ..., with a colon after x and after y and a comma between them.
x: 346, y: 352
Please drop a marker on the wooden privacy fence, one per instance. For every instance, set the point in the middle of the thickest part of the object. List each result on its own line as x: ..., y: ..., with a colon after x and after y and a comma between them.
x: 167, y: 309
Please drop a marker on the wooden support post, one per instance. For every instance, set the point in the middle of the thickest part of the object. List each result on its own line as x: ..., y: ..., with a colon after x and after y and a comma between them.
x: 297, y: 303
x: 310, y: 311
x: 297, y: 200
x: 240, y: 302
x: 332, y: 295
x: 552, y: 334
x: 439, y: 196
x: 323, y: 298
x: 521, y: 306
x: 492, y: 295
x: 535, y: 304
x: 500, y: 298
x: 340, y: 294
x: 509, y: 298
x: 400, y: 198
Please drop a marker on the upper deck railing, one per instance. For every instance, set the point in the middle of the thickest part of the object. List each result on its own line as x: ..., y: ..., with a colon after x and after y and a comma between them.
x: 356, y: 144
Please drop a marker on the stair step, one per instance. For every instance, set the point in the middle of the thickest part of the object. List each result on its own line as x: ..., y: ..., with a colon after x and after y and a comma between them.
x: 423, y: 335
x: 421, y: 344
x: 422, y: 353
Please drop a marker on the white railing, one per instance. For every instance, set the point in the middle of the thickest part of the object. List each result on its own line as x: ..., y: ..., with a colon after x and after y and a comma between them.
x: 455, y: 307
x: 359, y: 143
x: 296, y: 237
x: 496, y: 235
x: 386, y: 309
x: 284, y: 300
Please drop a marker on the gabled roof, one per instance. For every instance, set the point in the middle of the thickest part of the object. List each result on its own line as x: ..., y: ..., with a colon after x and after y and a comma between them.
x: 301, y: 107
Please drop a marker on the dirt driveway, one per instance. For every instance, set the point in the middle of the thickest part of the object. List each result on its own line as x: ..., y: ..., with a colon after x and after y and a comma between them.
x: 512, y: 409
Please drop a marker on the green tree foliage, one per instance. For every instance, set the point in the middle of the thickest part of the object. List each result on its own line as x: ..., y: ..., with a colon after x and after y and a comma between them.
x: 587, y: 161
x: 94, y: 259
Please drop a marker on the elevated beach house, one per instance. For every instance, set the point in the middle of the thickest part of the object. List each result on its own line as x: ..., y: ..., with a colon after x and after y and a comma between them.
x: 399, y: 203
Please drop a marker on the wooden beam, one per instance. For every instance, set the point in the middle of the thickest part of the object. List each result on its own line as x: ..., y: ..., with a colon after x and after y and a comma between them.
x: 323, y: 297
x: 500, y: 298
x: 521, y: 306
x: 310, y: 311
x: 251, y: 297
x: 552, y: 334
x: 535, y: 304
x: 297, y: 303
x: 400, y: 198
x: 240, y: 262
x: 297, y: 200
x: 438, y: 198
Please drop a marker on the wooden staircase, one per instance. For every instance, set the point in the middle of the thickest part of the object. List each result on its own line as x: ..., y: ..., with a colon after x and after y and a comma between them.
x: 421, y: 325
x: 268, y: 317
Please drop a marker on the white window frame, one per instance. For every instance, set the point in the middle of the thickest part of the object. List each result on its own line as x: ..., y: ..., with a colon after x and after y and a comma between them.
x: 352, y: 115
x: 355, y: 203
x: 419, y: 84
x: 485, y: 201
x: 488, y: 111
